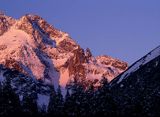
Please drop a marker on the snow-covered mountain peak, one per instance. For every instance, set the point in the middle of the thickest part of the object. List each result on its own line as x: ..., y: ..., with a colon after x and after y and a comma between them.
x: 39, y: 50
x: 33, y: 24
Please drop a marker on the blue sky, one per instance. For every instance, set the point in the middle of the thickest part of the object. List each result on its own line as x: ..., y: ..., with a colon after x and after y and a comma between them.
x: 124, y: 29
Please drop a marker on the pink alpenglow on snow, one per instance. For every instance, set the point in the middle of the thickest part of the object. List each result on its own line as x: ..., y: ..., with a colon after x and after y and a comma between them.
x: 39, y: 50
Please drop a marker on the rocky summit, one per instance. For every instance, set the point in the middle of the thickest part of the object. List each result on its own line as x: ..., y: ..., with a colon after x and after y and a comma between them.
x: 40, y: 51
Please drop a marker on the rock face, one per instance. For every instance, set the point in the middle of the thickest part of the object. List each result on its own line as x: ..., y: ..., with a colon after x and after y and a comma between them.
x: 37, y: 49
x: 5, y: 23
x: 136, y: 92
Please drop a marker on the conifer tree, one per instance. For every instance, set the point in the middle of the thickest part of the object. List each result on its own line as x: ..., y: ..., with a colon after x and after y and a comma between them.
x: 67, y: 104
x: 77, y: 95
x: 105, y: 102
x: 30, y: 104
x: 10, y: 103
x: 1, y: 100
x: 59, y: 100
x: 55, y: 106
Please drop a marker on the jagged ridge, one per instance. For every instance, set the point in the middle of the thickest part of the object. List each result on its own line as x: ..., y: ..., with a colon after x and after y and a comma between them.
x: 43, y: 52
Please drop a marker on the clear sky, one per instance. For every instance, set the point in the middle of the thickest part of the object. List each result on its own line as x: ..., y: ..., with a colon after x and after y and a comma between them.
x: 124, y: 29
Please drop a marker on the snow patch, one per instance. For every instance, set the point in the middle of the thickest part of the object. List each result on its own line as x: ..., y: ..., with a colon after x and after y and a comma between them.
x: 21, y: 97
x: 43, y: 101
x: 59, y: 62
x: 2, y: 78
x: 64, y: 78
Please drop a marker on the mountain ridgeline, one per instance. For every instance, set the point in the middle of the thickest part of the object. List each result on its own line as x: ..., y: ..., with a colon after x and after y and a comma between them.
x: 44, y: 72
x: 43, y: 52
x: 137, y: 91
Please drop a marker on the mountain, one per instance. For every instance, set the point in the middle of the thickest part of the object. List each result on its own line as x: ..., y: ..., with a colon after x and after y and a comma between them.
x: 136, y: 92
x: 40, y: 51
x: 36, y: 60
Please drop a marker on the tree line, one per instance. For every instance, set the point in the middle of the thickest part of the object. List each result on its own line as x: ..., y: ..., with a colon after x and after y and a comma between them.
x: 80, y: 100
